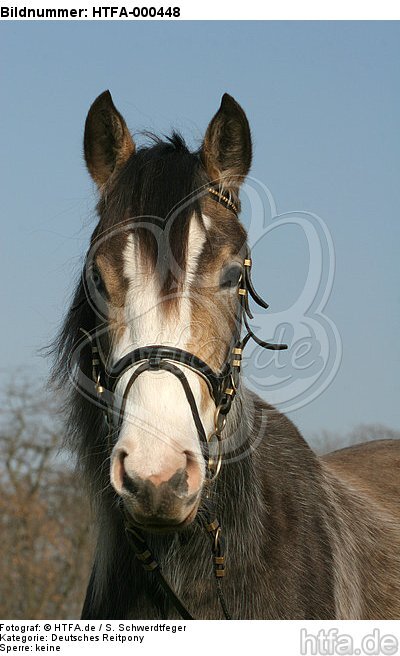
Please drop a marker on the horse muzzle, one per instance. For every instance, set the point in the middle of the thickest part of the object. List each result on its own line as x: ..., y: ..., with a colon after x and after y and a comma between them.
x: 166, y: 501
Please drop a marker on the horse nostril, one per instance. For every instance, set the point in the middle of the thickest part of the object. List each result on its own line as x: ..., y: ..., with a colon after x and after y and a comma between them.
x: 193, y: 472
x: 118, y: 470
x: 124, y: 479
x: 130, y: 485
x: 178, y: 483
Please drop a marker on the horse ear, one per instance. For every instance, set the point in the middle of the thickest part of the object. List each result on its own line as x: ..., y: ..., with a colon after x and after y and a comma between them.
x: 226, y: 150
x: 107, y: 141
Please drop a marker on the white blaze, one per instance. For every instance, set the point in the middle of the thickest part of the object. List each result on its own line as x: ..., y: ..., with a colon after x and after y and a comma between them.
x: 158, y: 424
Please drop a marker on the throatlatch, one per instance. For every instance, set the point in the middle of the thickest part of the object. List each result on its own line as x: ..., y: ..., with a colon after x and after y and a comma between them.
x: 222, y: 387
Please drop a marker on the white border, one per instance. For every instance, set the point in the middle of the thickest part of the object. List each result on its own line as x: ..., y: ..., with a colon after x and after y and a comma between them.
x: 223, y: 10
x: 272, y: 637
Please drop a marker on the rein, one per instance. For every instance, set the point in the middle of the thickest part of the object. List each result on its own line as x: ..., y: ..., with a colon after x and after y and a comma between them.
x: 222, y: 387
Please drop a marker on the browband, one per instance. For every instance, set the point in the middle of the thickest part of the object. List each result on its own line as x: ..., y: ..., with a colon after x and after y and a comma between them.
x: 221, y: 198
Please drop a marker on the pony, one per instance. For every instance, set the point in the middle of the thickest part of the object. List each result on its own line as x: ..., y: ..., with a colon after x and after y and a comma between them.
x: 170, y: 441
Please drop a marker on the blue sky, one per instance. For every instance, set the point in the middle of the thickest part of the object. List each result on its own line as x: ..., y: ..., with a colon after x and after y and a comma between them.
x: 323, y: 103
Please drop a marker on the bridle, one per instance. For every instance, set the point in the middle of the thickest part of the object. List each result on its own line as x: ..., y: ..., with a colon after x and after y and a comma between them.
x: 222, y: 387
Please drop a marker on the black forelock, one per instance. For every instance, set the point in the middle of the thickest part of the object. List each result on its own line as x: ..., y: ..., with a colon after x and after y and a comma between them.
x: 158, y: 182
x: 154, y: 181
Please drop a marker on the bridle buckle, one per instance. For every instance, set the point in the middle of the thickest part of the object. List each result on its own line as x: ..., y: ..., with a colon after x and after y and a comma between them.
x: 154, y: 362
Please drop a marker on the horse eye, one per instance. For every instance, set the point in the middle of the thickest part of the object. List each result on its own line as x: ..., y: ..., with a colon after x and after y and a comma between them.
x: 230, y: 276
x: 96, y: 277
